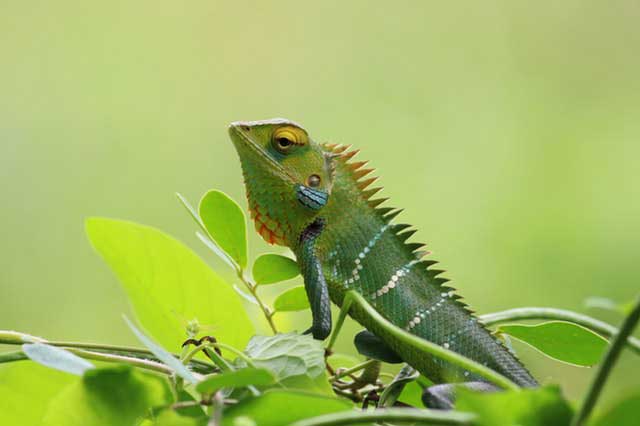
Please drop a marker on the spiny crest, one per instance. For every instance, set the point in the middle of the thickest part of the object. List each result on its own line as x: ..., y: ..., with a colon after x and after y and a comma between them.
x: 403, y: 232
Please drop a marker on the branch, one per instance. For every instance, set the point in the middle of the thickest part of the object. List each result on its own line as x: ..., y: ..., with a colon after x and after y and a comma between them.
x: 609, y: 360
x: 17, y: 338
x: 534, y: 313
x: 434, y: 418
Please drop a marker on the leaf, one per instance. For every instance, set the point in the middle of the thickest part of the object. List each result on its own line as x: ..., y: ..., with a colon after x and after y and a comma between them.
x: 624, y: 413
x: 272, y: 268
x: 390, y: 395
x: 179, y: 368
x: 211, y: 245
x: 26, y: 389
x: 113, y: 396
x: 287, y: 355
x: 293, y: 299
x: 56, y: 358
x: 166, y: 282
x: 279, y: 407
x: 226, y: 224
x: 237, y: 378
x: 528, y: 407
x: 560, y: 340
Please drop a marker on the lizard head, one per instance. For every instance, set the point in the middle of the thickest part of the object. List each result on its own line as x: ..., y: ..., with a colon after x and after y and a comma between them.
x: 288, y: 176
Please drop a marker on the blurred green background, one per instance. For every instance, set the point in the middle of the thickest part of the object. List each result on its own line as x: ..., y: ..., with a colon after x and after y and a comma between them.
x: 509, y: 131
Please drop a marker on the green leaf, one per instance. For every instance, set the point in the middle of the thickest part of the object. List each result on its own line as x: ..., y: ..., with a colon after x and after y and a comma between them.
x: 26, y: 389
x: 393, y: 390
x: 278, y: 407
x: 178, y: 367
x: 169, y: 417
x: 226, y: 224
x: 113, y: 396
x: 56, y: 358
x: 237, y: 378
x: 560, y: 340
x: 272, y: 268
x: 528, y: 407
x: 624, y: 413
x: 287, y: 355
x: 293, y: 299
x: 168, y: 284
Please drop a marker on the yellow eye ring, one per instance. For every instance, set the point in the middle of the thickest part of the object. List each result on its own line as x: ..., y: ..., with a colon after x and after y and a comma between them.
x: 284, y: 138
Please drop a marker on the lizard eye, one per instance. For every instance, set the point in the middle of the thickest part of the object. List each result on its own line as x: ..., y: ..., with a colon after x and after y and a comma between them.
x: 313, y: 181
x: 285, y: 138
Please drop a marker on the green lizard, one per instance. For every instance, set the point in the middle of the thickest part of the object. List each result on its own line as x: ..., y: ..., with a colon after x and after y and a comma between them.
x: 314, y: 199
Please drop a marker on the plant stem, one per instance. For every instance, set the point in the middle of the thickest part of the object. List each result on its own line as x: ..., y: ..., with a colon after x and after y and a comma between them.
x: 253, y: 289
x: 606, y: 365
x: 534, y: 313
x: 134, y: 362
x: 352, y: 370
x: 434, y: 418
x: 16, y: 338
x: 431, y: 348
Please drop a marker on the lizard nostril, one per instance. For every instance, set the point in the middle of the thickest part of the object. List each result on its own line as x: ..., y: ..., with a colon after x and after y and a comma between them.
x: 246, y: 128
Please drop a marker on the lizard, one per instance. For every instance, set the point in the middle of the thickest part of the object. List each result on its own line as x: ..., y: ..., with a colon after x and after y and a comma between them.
x: 316, y: 200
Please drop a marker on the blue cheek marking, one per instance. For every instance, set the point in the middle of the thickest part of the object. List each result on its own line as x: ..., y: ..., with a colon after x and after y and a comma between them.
x: 311, y: 198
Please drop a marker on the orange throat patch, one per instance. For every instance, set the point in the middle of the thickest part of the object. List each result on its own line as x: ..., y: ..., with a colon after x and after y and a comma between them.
x: 269, y: 229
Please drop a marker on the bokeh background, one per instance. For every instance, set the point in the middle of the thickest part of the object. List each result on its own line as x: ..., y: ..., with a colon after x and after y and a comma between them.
x: 508, y: 130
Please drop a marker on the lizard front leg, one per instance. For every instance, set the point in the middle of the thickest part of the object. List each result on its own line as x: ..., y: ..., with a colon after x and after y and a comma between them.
x: 314, y: 282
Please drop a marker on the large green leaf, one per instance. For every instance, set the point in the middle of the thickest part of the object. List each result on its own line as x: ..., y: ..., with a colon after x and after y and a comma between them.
x: 293, y: 299
x: 57, y: 358
x: 272, y: 268
x: 115, y: 396
x: 287, y: 355
x: 225, y: 222
x: 167, y: 283
x: 278, y: 408
x: 624, y: 413
x: 528, y: 407
x: 564, y: 341
x: 25, y: 391
x: 236, y: 378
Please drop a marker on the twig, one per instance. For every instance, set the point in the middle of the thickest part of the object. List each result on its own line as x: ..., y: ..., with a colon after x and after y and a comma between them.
x: 534, y: 313
x: 430, y: 417
x: 606, y: 365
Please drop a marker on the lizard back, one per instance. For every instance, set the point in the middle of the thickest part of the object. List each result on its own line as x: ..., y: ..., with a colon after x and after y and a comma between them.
x: 362, y: 249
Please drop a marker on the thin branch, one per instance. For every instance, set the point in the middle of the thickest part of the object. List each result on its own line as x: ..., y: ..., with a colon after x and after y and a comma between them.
x: 16, y: 338
x: 606, y: 365
x: 535, y: 313
x: 430, y: 417
x: 253, y: 289
x: 352, y: 370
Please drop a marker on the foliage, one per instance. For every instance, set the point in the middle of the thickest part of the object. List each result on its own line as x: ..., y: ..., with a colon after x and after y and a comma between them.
x: 248, y: 379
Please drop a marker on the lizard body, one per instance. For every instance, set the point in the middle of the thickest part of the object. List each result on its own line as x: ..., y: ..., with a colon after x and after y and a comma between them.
x: 316, y: 200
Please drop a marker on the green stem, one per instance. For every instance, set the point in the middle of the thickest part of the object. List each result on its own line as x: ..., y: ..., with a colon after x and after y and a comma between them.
x: 134, y: 362
x: 352, y: 370
x: 16, y: 338
x: 606, y: 365
x: 534, y: 313
x: 253, y: 289
x: 405, y: 415
x: 431, y: 348
x: 236, y: 352
x: 12, y: 356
